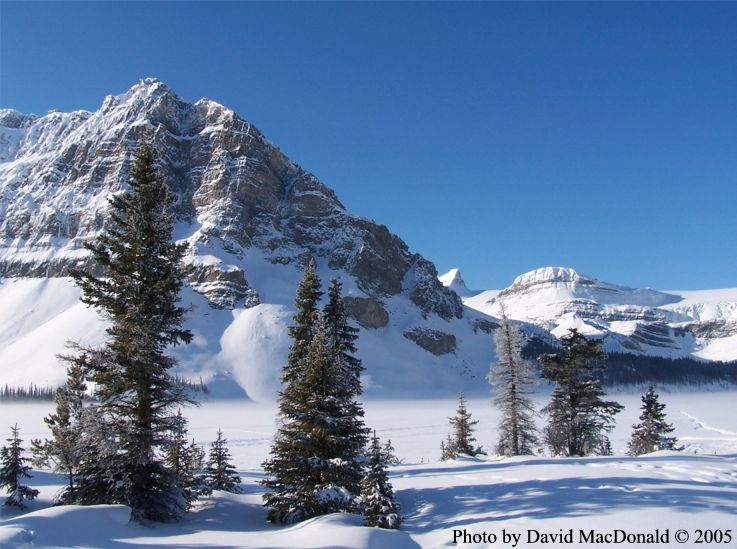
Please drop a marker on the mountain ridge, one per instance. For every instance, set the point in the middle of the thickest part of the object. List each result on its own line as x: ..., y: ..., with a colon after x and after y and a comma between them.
x: 674, y: 324
x: 251, y: 217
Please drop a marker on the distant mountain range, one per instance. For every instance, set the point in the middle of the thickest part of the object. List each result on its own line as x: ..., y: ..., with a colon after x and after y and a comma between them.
x: 252, y: 217
x: 641, y: 321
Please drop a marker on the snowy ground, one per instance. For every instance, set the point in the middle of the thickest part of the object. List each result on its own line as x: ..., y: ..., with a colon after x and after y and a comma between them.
x: 526, y: 497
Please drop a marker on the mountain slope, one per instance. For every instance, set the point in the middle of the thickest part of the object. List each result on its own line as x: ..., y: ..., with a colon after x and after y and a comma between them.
x: 251, y: 217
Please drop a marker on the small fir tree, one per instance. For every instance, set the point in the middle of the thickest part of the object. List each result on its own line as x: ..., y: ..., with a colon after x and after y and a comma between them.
x: 137, y: 292
x: 389, y: 455
x: 186, y: 461
x: 461, y: 440
x: 380, y: 508
x: 63, y: 452
x: 513, y: 377
x: 651, y: 434
x: 447, y: 450
x: 13, y: 470
x: 351, y: 433
x: 220, y: 472
x: 578, y: 417
x: 605, y: 448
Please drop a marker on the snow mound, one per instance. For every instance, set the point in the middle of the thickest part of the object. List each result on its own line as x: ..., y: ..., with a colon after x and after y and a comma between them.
x: 67, y: 526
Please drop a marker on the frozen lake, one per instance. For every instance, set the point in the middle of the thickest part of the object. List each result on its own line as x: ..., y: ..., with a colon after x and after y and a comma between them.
x: 706, y: 422
x: 480, y: 501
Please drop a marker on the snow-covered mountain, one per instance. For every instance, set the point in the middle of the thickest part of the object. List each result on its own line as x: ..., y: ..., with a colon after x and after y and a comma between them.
x: 251, y: 217
x: 454, y: 281
x: 700, y: 324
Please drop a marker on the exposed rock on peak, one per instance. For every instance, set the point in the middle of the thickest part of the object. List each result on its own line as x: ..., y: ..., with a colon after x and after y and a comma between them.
x: 250, y: 217
x: 12, y: 119
x: 236, y: 190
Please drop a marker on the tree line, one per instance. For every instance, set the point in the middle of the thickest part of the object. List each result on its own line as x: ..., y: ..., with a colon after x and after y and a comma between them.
x: 32, y: 392
x: 631, y: 369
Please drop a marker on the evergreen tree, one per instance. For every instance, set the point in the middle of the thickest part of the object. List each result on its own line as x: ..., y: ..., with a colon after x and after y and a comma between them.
x: 220, y: 473
x: 351, y: 434
x: 63, y: 452
x: 446, y: 449
x: 605, y: 447
x: 306, y: 301
x: 512, y: 376
x: 186, y: 461
x: 102, y: 476
x: 389, y: 455
x: 13, y: 469
x: 379, y: 506
x: 651, y: 433
x: 309, y: 473
x: 344, y: 338
x: 461, y: 440
x: 142, y: 275
x: 578, y: 416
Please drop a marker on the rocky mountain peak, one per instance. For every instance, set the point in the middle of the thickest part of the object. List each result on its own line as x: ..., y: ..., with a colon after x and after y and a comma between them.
x: 549, y: 275
x: 558, y: 284
x: 453, y: 280
x: 238, y: 195
x: 12, y: 119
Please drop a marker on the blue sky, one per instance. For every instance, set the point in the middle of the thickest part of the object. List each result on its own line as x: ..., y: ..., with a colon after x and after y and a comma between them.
x: 493, y: 137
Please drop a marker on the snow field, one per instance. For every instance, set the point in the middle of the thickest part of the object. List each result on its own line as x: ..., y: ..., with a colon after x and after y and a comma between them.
x: 694, y: 489
x: 237, y: 352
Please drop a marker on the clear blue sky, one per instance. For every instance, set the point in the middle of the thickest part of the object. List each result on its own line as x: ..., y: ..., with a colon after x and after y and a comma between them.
x: 493, y: 137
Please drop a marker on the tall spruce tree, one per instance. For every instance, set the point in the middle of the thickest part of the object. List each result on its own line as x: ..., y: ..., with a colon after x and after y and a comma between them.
x: 461, y: 440
x: 352, y: 433
x: 63, y: 452
x: 578, y: 417
x: 302, y: 331
x: 308, y: 471
x: 13, y: 470
x: 344, y: 338
x: 513, y: 377
x: 379, y: 506
x: 651, y: 434
x: 137, y: 292
x: 220, y: 473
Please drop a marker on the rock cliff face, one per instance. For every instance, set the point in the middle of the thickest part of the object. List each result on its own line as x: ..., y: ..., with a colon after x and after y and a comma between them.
x: 251, y: 217
x: 237, y: 191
